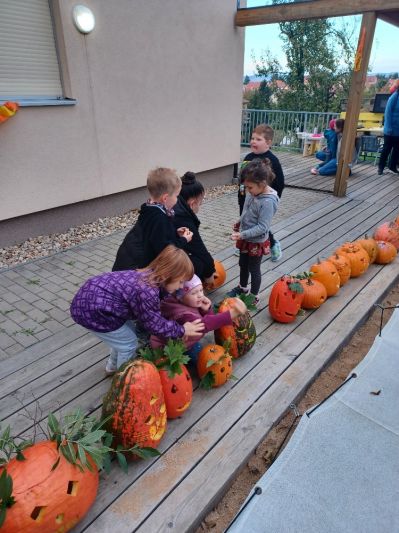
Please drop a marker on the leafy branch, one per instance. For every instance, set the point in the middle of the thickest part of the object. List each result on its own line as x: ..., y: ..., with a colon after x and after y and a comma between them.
x: 169, y: 358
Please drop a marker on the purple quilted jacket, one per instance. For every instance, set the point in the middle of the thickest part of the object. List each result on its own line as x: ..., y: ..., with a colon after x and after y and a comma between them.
x: 104, y: 303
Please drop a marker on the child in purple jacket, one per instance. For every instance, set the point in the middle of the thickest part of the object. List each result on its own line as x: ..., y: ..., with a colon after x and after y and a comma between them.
x: 107, y: 304
x: 190, y: 304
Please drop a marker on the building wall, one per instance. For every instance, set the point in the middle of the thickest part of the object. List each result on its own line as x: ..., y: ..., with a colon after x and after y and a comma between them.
x: 157, y: 84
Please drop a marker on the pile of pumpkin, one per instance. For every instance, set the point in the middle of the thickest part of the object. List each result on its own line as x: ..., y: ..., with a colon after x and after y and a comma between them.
x: 49, y: 486
x: 324, y: 279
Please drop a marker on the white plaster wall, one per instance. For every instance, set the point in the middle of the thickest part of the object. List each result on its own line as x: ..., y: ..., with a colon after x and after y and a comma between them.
x: 158, y: 82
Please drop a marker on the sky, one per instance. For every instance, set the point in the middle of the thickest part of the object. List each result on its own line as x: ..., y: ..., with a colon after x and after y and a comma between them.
x: 384, y: 55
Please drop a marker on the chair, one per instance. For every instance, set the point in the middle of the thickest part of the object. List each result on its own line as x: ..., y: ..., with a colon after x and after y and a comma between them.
x: 371, y: 144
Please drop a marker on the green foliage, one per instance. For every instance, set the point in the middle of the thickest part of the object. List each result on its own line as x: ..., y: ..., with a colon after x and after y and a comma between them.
x: 319, y: 58
x: 249, y: 300
x: 9, y: 447
x: 6, y: 498
x: 169, y: 358
x: 246, y: 80
x: 260, y: 98
x: 208, y: 381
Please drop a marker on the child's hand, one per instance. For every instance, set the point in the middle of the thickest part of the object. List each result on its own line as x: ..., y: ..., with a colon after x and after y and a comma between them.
x: 181, y: 231
x: 236, y: 226
x: 185, y: 232
x: 205, y: 304
x: 208, y: 282
x: 239, y: 308
x: 193, y: 329
x: 235, y: 236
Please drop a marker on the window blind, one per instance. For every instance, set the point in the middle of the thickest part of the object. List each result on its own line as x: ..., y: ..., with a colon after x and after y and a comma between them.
x: 28, y: 58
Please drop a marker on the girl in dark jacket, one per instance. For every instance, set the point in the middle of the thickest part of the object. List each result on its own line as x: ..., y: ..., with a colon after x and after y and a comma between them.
x: 188, y: 204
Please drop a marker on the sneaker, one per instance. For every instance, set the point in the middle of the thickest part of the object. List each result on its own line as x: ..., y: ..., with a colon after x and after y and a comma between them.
x: 394, y: 170
x: 110, y: 367
x: 314, y: 171
x: 380, y: 172
x: 256, y: 299
x: 275, y: 251
x: 237, y: 252
x: 237, y: 291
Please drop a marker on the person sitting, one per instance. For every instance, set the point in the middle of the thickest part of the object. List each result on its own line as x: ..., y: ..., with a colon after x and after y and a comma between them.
x: 330, y: 150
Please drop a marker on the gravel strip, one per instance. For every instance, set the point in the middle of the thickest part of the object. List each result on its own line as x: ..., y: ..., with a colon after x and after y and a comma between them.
x: 45, y: 245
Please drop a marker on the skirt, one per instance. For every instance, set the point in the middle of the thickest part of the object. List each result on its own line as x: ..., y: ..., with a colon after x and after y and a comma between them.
x: 254, y: 249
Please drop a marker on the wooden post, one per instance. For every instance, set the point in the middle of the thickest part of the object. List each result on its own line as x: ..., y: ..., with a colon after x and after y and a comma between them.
x: 354, y: 101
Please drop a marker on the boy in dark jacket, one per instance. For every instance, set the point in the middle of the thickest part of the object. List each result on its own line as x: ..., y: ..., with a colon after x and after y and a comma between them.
x: 261, y: 141
x: 154, y: 229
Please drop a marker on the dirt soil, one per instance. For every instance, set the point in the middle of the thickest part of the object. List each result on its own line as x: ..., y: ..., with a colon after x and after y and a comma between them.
x: 333, y: 375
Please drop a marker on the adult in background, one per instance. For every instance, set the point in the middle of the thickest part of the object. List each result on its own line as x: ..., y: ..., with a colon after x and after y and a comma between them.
x: 391, y: 132
x: 186, y: 209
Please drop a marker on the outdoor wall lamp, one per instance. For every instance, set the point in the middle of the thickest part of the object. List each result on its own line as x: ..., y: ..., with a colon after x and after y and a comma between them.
x: 83, y: 19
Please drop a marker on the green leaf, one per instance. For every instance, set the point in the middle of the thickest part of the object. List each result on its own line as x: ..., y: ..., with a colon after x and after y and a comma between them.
x: 210, y: 362
x: 93, y: 437
x: 145, y: 452
x: 56, y: 464
x: 107, y: 439
x: 122, y: 461
x: 53, y: 424
x: 6, y: 485
x: 249, y: 300
x: 233, y: 377
x: 2, y: 515
x: 207, y: 381
x: 82, y: 457
x: 6, y: 434
x: 107, y: 463
x: 295, y: 286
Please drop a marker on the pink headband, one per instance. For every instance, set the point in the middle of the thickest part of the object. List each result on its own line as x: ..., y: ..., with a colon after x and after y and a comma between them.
x: 188, y: 286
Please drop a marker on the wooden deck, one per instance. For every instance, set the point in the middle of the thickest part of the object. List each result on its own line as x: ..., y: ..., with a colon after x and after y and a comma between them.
x: 204, y: 450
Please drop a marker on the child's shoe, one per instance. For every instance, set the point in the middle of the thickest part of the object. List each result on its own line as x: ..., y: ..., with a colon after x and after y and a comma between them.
x: 237, y: 252
x: 110, y: 367
x: 237, y: 291
x: 256, y: 299
x: 275, y: 251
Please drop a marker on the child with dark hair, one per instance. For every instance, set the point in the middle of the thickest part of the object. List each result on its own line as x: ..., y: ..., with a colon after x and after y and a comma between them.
x: 154, y: 229
x: 330, y: 150
x: 186, y: 210
x: 251, y: 232
x: 330, y: 168
x: 261, y: 142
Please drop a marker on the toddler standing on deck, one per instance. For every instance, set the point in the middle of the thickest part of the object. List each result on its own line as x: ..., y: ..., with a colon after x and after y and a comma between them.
x: 107, y: 304
x: 251, y: 232
x: 190, y: 304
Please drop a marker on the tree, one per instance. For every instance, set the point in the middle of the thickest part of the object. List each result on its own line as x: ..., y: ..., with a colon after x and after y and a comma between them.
x: 319, y: 59
x: 260, y: 98
x: 246, y: 80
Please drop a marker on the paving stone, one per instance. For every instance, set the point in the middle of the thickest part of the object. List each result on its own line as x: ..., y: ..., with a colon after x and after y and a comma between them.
x: 10, y: 297
x: 53, y: 326
x: 43, y: 334
x: 6, y: 340
x: 25, y: 340
x: 43, y: 305
x: 29, y: 297
x: 58, y: 314
x: 14, y: 349
x: 37, y: 315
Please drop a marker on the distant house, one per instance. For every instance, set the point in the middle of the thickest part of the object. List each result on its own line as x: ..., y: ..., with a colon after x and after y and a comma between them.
x: 370, y: 81
x: 251, y: 86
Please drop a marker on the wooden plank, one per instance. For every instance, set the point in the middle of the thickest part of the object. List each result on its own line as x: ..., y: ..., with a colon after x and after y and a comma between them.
x: 354, y: 101
x: 310, y: 10
x: 128, y: 511
x: 185, y: 507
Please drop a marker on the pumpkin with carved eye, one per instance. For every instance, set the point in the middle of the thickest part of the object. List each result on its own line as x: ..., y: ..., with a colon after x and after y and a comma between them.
x: 285, y: 299
x: 370, y: 245
x: 358, y: 258
x: 136, y: 406
x: 215, y: 361
x: 314, y: 293
x: 178, y: 391
x: 241, y: 333
x: 343, y: 266
x: 46, y: 499
x: 327, y: 274
x: 388, y: 232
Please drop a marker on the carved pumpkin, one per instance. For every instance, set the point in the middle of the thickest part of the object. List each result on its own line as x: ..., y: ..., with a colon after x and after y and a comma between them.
x: 219, y: 276
x: 7, y: 110
x: 327, y: 274
x: 48, y: 500
x: 177, y: 390
x: 343, y: 266
x: 386, y: 252
x: 388, y: 232
x: 241, y: 333
x: 370, y: 246
x: 357, y: 256
x: 136, y: 405
x: 216, y: 360
x: 314, y: 293
x: 285, y: 299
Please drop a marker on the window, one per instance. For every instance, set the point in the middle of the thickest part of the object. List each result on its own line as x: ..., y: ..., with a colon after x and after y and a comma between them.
x: 29, y: 69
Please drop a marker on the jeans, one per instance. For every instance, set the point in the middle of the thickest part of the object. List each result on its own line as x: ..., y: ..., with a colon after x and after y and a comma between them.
x: 391, y: 143
x: 193, y: 352
x: 123, y: 342
x: 328, y: 169
x: 250, y: 265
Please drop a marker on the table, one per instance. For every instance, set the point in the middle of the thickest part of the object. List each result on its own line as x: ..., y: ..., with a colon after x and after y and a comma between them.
x: 311, y: 142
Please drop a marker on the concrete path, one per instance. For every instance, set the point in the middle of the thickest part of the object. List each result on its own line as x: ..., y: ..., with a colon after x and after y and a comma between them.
x: 35, y: 296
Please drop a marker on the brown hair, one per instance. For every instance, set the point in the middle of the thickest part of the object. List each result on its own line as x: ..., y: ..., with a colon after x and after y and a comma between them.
x: 258, y: 171
x: 266, y: 131
x: 171, y: 264
x: 340, y: 123
x: 162, y: 181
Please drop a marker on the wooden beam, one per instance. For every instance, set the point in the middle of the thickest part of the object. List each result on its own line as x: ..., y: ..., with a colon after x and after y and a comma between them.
x: 354, y: 101
x: 310, y: 10
x: 392, y: 17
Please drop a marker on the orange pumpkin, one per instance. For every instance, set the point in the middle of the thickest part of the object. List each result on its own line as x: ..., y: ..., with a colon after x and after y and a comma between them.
x: 214, y: 359
x: 241, y: 334
x: 314, y: 293
x: 45, y: 499
x: 343, y: 266
x: 386, y: 253
x: 285, y: 299
x: 327, y: 274
x: 370, y: 246
x: 219, y: 276
x: 136, y: 406
x: 388, y: 232
x: 177, y: 390
x: 357, y: 256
